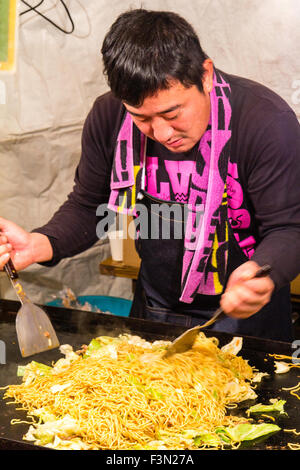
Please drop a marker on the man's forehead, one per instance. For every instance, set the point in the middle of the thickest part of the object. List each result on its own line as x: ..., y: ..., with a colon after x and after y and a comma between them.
x: 163, y: 101
x: 137, y: 111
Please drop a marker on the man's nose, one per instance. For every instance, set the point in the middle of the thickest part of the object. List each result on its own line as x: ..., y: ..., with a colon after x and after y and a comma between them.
x: 162, y: 131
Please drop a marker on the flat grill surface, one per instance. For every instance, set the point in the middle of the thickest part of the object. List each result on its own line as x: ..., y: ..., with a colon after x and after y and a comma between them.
x: 79, y: 327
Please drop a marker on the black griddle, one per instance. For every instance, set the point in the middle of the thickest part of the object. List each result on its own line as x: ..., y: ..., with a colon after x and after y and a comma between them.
x: 77, y: 327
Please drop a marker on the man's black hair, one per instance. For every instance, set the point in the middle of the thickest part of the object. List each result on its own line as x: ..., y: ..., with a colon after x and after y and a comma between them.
x: 144, y: 50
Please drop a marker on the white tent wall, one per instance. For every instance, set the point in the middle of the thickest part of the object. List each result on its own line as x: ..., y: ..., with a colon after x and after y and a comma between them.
x: 45, y: 102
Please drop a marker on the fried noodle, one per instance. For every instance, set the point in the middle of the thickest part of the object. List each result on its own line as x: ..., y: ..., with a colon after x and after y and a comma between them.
x: 121, y: 401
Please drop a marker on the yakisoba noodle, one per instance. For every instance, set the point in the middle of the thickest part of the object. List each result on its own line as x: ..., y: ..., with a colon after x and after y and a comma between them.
x: 121, y: 400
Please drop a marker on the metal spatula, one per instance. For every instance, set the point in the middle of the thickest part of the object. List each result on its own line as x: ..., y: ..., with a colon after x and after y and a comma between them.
x: 34, y: 330
x: 185, y: 341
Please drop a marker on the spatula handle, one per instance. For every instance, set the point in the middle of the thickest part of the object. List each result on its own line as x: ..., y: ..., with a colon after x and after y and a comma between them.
x: 263, y: 271
x: 11, y: 270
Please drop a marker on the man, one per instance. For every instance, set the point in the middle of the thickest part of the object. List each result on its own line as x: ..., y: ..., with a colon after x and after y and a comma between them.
x: 175, y: 130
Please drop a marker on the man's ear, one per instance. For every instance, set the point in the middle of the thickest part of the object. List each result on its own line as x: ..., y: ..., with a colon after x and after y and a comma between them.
x: 208, y: 75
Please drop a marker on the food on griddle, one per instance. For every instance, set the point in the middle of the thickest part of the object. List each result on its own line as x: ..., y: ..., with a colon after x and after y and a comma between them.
x: 69, y: 300
x: 274, y: 406
x: 108, y: 396
x: 281, y: 366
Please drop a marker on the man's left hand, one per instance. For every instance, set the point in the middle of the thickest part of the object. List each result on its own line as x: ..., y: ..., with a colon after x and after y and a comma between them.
x: 244, y: 295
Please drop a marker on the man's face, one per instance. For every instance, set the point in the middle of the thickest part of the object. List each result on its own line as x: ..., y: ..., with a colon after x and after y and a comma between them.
x: 176, y: 118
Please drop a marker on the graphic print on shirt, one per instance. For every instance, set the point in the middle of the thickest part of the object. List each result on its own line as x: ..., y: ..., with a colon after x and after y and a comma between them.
x: 170, y: 180
x: 239, y: 217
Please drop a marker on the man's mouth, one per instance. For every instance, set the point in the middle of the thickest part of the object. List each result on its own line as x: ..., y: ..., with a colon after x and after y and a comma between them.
x: 175, y: 143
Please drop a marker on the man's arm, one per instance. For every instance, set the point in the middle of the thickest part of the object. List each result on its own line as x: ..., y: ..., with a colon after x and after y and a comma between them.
x: 274, y: 191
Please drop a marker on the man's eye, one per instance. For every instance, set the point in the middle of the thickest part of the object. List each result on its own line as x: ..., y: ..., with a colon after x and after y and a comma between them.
x: 140, y: 119
x: 171, y: 118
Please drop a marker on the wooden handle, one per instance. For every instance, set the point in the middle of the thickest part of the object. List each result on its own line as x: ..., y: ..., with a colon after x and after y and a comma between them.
x: 11, y: 270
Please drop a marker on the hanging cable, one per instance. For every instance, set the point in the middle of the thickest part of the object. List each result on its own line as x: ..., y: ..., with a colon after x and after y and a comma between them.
x: 34, y: 8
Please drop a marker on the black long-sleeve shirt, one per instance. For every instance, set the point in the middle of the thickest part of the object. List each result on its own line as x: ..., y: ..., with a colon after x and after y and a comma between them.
x: 265, y: 147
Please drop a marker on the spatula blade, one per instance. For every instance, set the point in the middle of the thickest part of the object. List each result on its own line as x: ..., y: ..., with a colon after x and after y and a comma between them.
x: 34, y: 330
x: 183, y: 342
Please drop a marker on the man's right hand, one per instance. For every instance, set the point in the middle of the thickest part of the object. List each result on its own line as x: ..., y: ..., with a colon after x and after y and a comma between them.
x: 24, y: 248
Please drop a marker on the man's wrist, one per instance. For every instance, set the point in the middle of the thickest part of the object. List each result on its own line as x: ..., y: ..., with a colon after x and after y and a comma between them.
x: 41, y: 248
